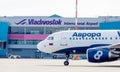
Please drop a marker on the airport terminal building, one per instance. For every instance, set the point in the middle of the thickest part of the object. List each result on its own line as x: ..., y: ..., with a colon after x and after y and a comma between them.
x: 19, y: 35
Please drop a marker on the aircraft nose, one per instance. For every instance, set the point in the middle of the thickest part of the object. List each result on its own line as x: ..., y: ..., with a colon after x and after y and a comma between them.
x: 40, y: 46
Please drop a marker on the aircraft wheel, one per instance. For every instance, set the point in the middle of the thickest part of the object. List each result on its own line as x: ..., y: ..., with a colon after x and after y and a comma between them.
x: 66, y: 63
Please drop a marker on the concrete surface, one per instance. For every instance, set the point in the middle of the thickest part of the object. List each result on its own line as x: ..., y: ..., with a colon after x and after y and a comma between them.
x: 56, y: 65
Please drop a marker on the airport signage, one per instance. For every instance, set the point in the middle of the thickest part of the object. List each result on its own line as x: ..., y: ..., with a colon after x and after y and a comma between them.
x: 82, y: 23
x: 39, y: 22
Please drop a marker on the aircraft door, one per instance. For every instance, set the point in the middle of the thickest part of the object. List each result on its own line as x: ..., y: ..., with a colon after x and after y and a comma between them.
x: 64, y: 40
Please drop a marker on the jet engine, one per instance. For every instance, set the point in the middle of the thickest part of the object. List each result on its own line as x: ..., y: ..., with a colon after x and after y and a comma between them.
x: 97, y: 55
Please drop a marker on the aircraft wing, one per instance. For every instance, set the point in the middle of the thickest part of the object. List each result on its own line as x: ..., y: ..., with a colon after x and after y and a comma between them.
x: 115, y: 45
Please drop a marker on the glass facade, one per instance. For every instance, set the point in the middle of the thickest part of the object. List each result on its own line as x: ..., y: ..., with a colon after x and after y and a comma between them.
x: 16, y: 30
x: 44, y: 30
x: 24, y: 42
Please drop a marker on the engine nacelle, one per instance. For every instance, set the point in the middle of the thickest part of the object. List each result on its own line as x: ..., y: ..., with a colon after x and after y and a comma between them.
x: 97, y: 55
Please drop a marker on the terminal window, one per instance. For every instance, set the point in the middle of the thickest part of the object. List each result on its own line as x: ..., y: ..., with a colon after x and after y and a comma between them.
x: 35, y: 30
x: 16, y: 30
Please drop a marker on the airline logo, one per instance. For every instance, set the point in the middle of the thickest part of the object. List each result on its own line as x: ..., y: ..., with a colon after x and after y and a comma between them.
x: 75, y: 34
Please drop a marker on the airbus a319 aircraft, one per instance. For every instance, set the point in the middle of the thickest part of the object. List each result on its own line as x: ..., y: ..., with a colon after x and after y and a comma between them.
x: 98, y: 45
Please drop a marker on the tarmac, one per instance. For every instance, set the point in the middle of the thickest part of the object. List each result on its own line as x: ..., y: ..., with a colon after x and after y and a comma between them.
x: 56, y: 65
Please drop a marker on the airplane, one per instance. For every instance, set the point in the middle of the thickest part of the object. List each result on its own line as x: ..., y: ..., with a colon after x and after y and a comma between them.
x: 98, y: 45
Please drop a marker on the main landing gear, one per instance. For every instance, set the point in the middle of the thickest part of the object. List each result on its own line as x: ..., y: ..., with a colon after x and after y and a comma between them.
x: 66, y: 63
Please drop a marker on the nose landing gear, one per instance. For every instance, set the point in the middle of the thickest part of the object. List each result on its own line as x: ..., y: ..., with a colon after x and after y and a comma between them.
x: 66, y: 63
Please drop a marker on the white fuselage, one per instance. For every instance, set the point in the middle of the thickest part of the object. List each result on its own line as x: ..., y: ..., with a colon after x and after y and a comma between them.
x: 78, y: 41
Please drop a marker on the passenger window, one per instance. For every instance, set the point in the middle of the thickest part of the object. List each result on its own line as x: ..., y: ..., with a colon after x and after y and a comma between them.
x: 79, y: 38
x: 83, y: 38
x: 111, y: 38
x: 102, y: 38
x: 50, y: 38
x: 76, y: 38
x: 96, y: 38
x: 99, y: 38
x: 106, y: 38
x: 73, y: 38
x: 89, y: 38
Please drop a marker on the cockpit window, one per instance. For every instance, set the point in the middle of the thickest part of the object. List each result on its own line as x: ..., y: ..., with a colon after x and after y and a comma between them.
x: 51, y: 38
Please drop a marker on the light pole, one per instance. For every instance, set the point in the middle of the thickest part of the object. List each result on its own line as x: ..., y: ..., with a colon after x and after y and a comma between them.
x: 76, y: 15
x: 76, y: 56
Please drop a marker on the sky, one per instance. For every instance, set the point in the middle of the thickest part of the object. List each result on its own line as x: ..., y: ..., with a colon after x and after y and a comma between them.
x: 64, y: 8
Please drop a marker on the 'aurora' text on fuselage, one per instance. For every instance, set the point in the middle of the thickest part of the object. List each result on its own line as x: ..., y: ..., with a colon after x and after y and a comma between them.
x: 75, y: 34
